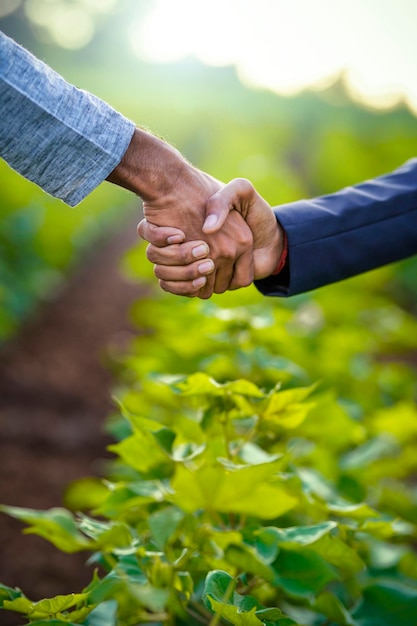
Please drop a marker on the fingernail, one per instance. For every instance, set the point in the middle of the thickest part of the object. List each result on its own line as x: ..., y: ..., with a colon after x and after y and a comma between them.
x: 200, y: 250
x: 210, y: 222
x: 175, y: 239
x: 199, y: 282
x: 206, y: 267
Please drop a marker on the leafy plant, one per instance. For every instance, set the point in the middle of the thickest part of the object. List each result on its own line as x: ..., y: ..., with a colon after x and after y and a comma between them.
x: 233, y: 505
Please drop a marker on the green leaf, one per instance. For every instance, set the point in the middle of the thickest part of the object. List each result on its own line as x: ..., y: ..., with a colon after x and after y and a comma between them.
x: 198, y: 384
x: 150, y: 597
x: 320, y: 538
x: 19, y: 605
x: 123, y: 498
x: 303, y: 574
x: 247, y: 560
x: 165, y: 437
x: 357, y: 512
x: 49, y: 607
x: 141, y: 451
x: 219, y: 585
x: 105, y: 614
x: 287, y: 409
x: 373, y: 450
x: 276, y: 616
x: 248, y: 489
x: 58, y: 604
x: 108, y: 536
x: 243, y: 388
x: 225, y: 538
x: 9, y: 593
x: 330, y: 426
x: 333, y: 609
x: 339, y: 554
x: 234, y: 615
x: 163, y: 525
x: 387, y: 604
x: 385, y: 529
x: 295, y: 535
x: 52, y: 622
x: 399, y: 420
x: 201, y: 384
x: 56, y: 525
x: 252, y: 454
x: 85, y: 494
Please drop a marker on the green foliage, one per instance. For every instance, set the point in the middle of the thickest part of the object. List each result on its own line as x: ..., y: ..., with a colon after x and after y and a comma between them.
x: 217, y: 512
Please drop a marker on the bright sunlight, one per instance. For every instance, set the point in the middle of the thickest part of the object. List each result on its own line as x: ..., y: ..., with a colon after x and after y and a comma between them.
x: 287, y: 46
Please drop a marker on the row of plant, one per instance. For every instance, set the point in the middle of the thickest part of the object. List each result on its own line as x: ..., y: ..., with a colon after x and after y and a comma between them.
x: 264, y: 459
x: 42, y: 239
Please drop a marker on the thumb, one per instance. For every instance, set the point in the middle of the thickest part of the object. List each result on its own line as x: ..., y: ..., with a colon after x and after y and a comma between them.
x: 223, y: 201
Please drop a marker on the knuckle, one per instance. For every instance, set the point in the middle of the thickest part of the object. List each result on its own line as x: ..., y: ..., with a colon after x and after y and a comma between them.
x: 164, y: 286
x: 159, y: 272
x: 246, y: 281
x: 142, y: 228
x: 183, y: 254
x: 151, y: 253
x: 247, y: 239
x: 191, y: 272
x: 245, y: 186
x: 229, y: 252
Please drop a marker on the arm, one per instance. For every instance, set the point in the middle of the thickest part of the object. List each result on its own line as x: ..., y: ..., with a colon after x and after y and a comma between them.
x: 48, y: 127
x: 328, y: 238
x: 68, y: 141
x: 349, y: 232
x: 175, y: 194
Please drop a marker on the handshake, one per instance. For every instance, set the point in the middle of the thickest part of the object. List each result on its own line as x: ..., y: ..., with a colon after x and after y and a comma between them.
x: 205, y: 237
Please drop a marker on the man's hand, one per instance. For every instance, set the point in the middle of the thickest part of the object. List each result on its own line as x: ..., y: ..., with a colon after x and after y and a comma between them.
x: 179, y: 267
x: 175, y: 194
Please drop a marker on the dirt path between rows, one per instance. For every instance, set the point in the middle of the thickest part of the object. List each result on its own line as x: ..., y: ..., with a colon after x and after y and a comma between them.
x: 55, y: 393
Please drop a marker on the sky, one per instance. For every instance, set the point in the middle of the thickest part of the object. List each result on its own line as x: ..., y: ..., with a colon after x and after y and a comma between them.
x: 288, y: 45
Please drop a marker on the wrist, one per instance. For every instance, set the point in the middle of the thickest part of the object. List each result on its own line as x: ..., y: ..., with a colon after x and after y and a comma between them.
x: 149, y: 167
x: 282, y: 251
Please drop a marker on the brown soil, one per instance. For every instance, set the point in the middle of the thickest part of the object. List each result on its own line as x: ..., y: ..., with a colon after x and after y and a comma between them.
x: 55, y: 393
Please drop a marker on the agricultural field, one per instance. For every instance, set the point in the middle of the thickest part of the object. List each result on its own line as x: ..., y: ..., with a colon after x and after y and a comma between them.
x: 242, y: 460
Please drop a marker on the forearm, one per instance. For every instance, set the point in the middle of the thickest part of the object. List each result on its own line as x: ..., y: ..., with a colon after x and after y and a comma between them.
x: 150, y: 167
x: 62, y: 138
x: 346, y: 233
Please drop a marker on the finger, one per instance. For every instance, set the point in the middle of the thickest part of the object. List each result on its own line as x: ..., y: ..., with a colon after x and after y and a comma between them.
x: 223, y: 201
x: 160, y: 235
x: 243, y: 271
x: 207, y: 290
x: 224, y: 276
x: 183, y: 288
x: 178, y: 254
x: 184, y: 273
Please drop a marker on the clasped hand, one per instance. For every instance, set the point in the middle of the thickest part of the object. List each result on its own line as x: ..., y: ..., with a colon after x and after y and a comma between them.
x: 235, y: 240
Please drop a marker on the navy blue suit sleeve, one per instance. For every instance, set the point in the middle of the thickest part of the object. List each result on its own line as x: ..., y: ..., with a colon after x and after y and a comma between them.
x: 354, y: 230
